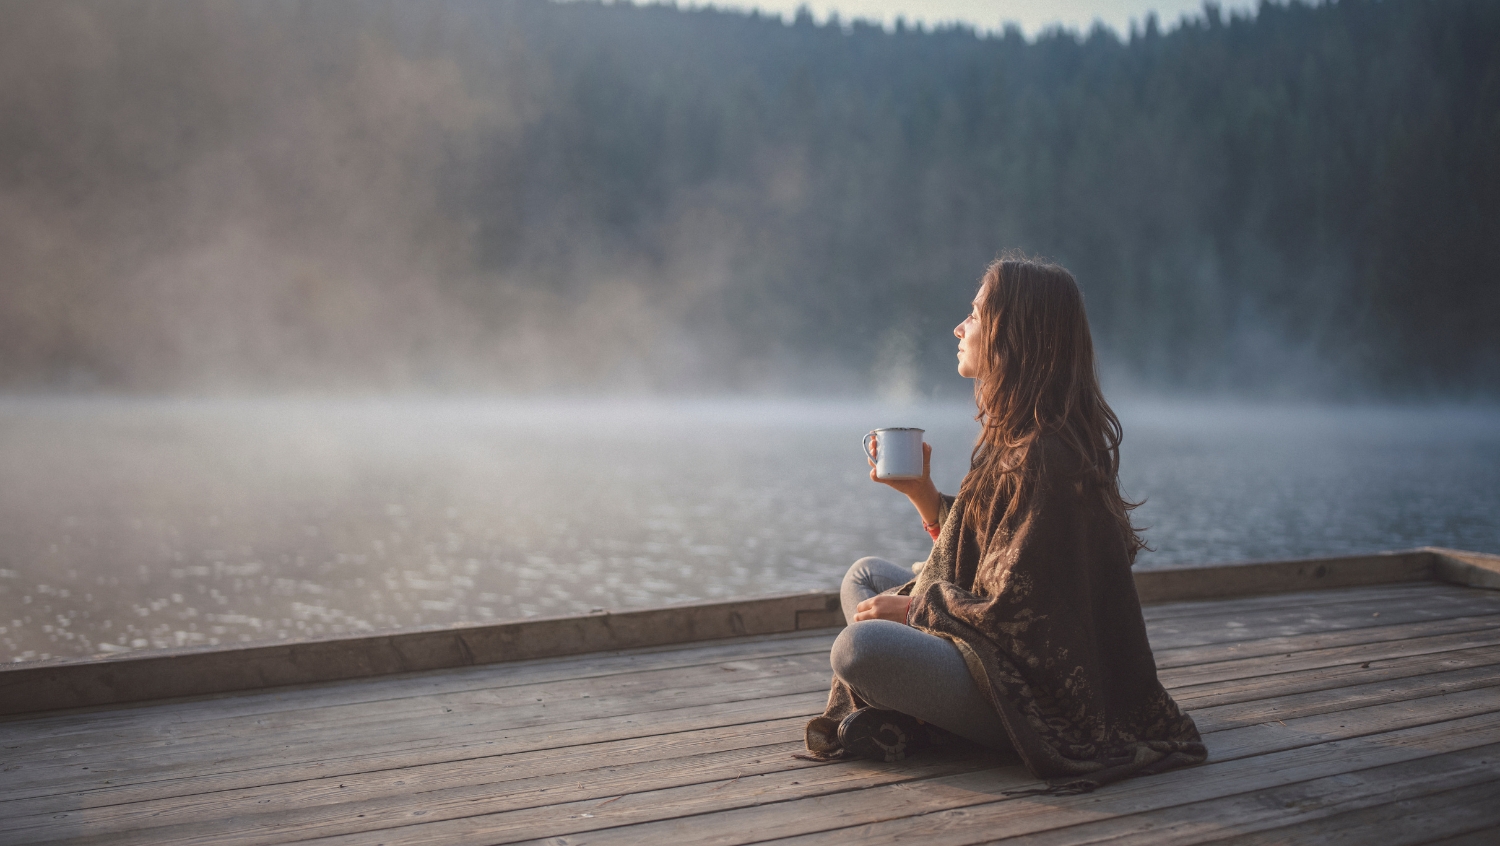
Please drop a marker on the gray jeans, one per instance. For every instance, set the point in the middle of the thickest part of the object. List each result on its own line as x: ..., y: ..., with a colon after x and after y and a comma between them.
x: 899, y: 668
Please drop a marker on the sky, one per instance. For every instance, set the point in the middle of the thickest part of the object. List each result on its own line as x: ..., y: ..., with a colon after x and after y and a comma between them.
x: 989, y: 15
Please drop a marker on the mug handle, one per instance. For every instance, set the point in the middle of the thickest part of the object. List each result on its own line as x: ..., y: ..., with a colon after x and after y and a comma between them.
x: 868, y: 438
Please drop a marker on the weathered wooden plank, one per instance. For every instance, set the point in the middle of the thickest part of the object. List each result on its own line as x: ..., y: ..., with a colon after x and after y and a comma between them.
x: 192, y: 762
x: 108, y: 727
x: 1173, y: 634
x: 1231, y: 818
x: 250, y: 746
x: 1184, y: 678
x: 1266, y: 623
x: 687, y: 800
x: 476, y: 680
x: 519, y: 706
x: 275, y: 762
x: 265, y: 814
x: 344, y: 729
x: 1427, y: 591
x: 590, y: 765
x: 433, y: 692
x: 194, y: 770
x: 971, y: 808
x: 1259, y: 738
x: 225, y: 741
x: 351, y: 738
x: 1232, y: 580
x: 1459, y: 567
x: 1332, y: 679
x: 1404, y: 821
x: 1251, y: 646
x: 1283, y: 708
x: 428, y: 682
x: 190, y: 672
x: 177, y: 673
x: 1483, y: 836
x: 770, y: 806
x: 698, y: 803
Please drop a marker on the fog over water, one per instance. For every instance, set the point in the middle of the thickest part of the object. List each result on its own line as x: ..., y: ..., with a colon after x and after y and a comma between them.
x: 521, y: 198
x: 146, y: 524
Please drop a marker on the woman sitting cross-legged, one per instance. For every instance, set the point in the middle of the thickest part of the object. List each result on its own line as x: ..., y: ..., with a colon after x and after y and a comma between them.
x: 1022, y: 630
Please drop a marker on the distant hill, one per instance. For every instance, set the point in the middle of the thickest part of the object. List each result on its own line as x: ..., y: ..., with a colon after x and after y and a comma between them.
x: 519, y: 194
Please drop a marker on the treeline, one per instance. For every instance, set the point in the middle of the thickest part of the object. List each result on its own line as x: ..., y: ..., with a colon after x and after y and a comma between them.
x: 522, y: 194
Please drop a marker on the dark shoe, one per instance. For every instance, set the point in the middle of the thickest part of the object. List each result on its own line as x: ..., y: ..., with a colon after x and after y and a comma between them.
x: 882, y: 735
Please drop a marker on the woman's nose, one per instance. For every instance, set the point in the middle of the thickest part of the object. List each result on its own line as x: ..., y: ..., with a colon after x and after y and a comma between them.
x: 958, y: 331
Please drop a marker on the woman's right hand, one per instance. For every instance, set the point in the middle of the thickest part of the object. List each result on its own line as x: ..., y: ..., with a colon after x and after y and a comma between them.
x: 922, y: 492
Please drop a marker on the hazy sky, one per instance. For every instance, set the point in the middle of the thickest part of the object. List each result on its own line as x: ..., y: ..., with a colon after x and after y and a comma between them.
x: 1031, y: 15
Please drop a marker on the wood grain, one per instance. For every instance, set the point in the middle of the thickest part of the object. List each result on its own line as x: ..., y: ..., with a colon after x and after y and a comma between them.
x: 1317, y: 708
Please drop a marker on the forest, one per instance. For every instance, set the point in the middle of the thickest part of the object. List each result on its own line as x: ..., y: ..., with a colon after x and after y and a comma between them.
x: 520, y: 195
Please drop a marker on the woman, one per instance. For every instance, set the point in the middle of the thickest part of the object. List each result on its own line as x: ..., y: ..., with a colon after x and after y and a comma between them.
x: 1022, y: 630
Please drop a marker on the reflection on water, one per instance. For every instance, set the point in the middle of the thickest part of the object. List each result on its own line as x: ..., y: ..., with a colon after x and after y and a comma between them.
x: 136, y: 525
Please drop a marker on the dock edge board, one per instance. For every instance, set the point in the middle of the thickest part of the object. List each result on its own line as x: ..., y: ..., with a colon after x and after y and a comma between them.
x: 31, y: 687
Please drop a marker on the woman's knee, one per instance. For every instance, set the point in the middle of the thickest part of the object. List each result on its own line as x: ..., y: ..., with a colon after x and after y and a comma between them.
x: 860, y: 571
x: 858, y: 649
x: 875, y: 575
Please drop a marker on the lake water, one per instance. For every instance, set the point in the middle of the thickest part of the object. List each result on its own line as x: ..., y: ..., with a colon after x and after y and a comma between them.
x: 135, y: 525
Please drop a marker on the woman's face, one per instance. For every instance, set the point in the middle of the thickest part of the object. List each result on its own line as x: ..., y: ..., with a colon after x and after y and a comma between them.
x: 969, y: 340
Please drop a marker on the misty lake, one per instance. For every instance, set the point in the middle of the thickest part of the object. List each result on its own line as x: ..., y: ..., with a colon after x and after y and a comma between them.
x: 135, y: 524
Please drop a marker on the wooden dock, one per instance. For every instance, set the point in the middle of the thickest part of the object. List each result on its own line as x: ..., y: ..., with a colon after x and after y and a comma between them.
x: 1342, y: 701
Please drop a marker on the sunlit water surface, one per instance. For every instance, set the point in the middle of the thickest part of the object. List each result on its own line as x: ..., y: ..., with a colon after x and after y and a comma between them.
x: 129, y: 525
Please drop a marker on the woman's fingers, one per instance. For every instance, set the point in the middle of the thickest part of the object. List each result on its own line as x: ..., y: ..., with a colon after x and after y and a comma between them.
x: 884, y: 606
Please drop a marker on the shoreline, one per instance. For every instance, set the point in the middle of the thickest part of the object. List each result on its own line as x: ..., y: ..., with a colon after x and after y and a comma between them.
x: 59, y: 684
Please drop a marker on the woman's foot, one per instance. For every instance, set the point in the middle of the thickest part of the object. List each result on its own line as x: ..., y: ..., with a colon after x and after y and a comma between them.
x: 882, y: 735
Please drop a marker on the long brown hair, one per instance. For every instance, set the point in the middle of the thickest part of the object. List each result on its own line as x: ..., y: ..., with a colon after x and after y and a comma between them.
x: 1037, y: 377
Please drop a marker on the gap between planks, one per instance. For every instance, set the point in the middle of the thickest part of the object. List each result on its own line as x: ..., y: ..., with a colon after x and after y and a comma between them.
x: 434, y: 682
x: 1269, y: 795
x: 1474, y: 809
x: 1218, y: 718
x: 979, y: 813
x: 318, y: 741
x: 780, y: 804
x: 1427, y: 591
x: 819, y: 681
x: 1275, y: 808
x: 467, y: 801
x: 417, y: 685
x: 83, y: 725
x: 647, y: 684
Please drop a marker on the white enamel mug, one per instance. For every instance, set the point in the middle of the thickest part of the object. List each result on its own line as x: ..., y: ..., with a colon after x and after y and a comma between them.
x: 898, y: 454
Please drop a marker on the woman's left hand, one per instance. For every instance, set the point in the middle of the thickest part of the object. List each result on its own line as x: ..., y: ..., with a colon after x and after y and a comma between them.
x: 885, y: 606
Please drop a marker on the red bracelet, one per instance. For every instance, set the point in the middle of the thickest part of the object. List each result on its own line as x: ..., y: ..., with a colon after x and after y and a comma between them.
x: 933, y: 529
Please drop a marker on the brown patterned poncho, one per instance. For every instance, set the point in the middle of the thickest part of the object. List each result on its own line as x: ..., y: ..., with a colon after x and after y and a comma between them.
x: 1045, y: 614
